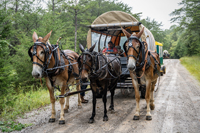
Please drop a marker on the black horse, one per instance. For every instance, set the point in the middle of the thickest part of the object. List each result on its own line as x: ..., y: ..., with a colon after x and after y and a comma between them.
x: 103, y: 73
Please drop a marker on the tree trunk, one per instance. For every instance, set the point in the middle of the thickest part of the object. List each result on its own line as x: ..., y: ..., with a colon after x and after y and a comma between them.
x: 75, y: 30
x: 16, y: 6
x: 53, y: 4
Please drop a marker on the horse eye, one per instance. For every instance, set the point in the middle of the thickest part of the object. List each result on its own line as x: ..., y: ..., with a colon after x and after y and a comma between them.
x: 42, y: 52
x: 137, y: 47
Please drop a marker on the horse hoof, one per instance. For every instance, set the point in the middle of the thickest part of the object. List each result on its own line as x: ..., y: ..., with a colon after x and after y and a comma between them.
x: 136, y: 117
x: 112, y: 111
x: 79, y: 106
x: 152, y: 107
x: 105, y: 118
x: 148, y: 118
x: 61, y: 122
x: 111, y: 108
x: 51, y: 120
x: 91, y: 121
x: 66, y: 110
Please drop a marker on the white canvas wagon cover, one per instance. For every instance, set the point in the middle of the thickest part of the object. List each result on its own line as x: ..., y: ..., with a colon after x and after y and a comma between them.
x: 110, y: 24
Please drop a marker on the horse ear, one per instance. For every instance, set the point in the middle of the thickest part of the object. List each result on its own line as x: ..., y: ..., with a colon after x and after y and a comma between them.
x: 81, y: 48
x: 35, y: 36
x: 140, y: 33
x: 46, y: 38
x: 126, y: 33
x: 92, y: 48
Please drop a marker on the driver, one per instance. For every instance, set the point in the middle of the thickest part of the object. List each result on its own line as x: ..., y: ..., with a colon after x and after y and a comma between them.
x: 111, y: 49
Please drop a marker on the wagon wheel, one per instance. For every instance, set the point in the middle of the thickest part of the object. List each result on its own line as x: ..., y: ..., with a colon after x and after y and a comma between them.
x: 127, y: 91
x: 164, y: 69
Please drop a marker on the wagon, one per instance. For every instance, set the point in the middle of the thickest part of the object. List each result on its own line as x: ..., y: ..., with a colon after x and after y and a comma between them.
x: 107, y: 27
x: 159, y: 49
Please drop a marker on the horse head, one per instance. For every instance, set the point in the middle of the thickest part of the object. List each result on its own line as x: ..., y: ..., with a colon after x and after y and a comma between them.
x: 86, y: 62
x: 133, y: 48
x: 39, y: 53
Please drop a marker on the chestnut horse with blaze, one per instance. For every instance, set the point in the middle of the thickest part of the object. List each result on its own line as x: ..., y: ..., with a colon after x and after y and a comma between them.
x: 59, y: 68
x: 146, y: 65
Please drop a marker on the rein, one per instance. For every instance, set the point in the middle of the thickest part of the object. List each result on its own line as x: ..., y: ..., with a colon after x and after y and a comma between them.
x: 50, y: 51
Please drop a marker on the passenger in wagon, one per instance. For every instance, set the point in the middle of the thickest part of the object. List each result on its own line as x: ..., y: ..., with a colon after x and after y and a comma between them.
x: 111, y: 49
x: 120, y: 51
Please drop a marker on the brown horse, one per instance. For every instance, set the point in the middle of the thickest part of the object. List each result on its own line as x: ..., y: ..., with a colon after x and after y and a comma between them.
x: 103, y: 73
x: 59, y: 69
x: 144, y: 64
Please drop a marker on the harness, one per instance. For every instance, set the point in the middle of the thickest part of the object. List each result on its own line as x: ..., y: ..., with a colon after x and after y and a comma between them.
x: 142, y: 51
x: 49, y: 51
x: 83, y: 55
x: 94, y: 73
x: 146, y: 62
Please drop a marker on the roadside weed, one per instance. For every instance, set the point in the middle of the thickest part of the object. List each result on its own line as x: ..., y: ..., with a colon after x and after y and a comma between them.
x: 192, y: 64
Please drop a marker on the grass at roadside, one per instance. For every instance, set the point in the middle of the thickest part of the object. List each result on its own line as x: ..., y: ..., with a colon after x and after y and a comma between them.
x: 24, y: 102
x: 192, y: 64
x: 15, y: 105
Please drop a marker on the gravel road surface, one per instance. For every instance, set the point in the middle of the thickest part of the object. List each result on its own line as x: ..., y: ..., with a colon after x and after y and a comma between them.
x: 177, y: 110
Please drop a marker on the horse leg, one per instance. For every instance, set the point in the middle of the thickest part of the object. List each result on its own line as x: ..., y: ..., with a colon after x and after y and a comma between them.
x: 91, y: 120
x: 152, y: 106
x: 137, y: 96
x: 147, y: 97
x: 52, y: 99
x: 111, y: 108
x: 104, y: 99
x: 62, y: 101
x: 78, y: 88
x: 66, y: 102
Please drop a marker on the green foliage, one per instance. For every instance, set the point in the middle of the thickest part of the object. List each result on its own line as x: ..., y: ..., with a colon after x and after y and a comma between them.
x: 188, y: 39
x: 10, y: 126
x: 155, y: 28
x: 17, y: 104
x: 192, y: 64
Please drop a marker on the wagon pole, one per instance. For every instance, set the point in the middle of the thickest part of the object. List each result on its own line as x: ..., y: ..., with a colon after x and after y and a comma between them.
x: 72, y: 93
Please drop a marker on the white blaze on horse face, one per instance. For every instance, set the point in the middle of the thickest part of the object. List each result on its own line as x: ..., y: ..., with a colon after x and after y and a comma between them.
x: 131, y: 64
x: 37, y: 71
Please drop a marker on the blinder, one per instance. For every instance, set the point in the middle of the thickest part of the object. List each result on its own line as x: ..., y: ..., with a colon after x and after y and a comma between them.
x: 46, y: 52
x: 83, y: 55
x: 141, y: 51
x: 130, y: 45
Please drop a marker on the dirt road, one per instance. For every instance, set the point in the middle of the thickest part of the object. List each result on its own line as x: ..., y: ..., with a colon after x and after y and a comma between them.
x: 177, y: 109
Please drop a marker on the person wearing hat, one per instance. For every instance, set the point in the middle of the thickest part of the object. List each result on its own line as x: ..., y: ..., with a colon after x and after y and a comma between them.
x: 111, y: 49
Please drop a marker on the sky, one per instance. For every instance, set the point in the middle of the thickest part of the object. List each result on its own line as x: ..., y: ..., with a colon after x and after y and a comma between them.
x: 155, y: 9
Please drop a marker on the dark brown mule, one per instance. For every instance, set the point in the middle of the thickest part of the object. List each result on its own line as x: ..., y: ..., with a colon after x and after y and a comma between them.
x: 58, y: 67
x: 144, y: 64
x: 103, y: 72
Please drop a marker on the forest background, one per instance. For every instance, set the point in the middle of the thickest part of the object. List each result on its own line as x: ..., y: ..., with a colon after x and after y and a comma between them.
x: 68, y: 19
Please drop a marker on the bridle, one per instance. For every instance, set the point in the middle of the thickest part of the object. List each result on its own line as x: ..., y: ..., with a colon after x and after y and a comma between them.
x: 83, y: 55
x: 131, y: 46
x: 47, y: 51
x: 141, y: 51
